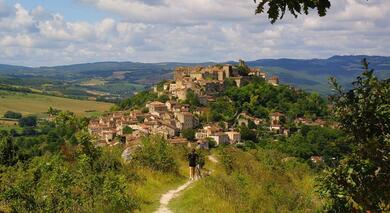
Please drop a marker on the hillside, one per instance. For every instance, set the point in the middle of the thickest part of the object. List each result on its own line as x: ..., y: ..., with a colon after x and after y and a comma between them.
x: 38, y: 104
x: 313, y: 74
x: 262, y: 147
x: 121, y: 79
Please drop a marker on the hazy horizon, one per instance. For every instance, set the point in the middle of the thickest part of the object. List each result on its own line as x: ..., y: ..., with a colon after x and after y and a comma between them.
x: 186, y: 62
x: 47, y: 33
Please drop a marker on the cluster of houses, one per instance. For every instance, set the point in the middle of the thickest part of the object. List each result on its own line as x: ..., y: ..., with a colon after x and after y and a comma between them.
x: 166, y: 119
x: 171, y: 118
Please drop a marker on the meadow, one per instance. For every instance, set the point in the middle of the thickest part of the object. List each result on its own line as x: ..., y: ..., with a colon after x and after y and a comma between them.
x: 252, y: 181
x: 27, y: 104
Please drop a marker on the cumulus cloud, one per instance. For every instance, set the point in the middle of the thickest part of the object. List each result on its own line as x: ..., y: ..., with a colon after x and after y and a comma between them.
x: 192, y: 31
x: 176, y: 11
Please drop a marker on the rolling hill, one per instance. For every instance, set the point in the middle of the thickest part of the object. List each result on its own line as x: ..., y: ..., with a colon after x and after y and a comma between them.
x: 309, y: 74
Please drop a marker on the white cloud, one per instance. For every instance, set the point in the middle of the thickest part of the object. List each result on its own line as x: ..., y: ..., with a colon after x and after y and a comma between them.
x: 196, y: 30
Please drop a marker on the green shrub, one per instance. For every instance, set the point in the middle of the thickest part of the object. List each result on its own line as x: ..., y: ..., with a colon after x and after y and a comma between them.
x: 127, y: 130
x: 12, y: 115
x: 189, y: 134
x: 156, y: 154
x: 30, y: 121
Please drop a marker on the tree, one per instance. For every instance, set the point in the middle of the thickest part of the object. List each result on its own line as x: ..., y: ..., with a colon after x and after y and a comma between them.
x: 127, y: 130
x: 277, y: 8
x: 8, y: 152
x: 247, y: 134
x: 163, y: 98
x: 52, y: 111
x: 157, y: 154
x: 28, y: 121
x: 189, y: 134
x: 12, y: 115
x: 362, y: 180
x: 137, y: 101
x: 192, y: 98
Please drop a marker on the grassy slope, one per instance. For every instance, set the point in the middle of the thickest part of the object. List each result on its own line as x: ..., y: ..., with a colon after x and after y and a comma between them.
x: 158, y: 183
x: 38, y: 104
x: 260, y: 182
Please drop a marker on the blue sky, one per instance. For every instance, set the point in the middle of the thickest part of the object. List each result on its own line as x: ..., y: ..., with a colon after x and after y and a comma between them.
x: 72, y: 10
x: 56, y: 32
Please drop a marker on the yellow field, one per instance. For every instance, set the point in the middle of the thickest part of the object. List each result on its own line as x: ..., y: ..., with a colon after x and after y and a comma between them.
x: 93, y: 82
x: 39, y: 104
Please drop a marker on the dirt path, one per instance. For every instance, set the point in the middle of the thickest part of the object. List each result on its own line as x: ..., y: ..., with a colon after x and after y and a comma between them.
x: 212, y: 159
x: 167, y: 197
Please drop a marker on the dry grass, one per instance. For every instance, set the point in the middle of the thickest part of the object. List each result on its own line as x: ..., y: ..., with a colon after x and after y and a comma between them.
x: 38, y: 104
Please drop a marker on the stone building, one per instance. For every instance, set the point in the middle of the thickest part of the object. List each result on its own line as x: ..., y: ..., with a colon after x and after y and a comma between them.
x: 274, y: 80
x: 186, y: 120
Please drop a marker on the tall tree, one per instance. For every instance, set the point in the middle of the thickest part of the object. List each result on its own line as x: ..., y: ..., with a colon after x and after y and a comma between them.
x: 8, y: 152
x: 361, y: 182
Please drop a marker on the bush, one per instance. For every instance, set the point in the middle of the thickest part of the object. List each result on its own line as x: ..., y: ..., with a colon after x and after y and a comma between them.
x: 12, y: 115
x: 189, y: 134
x: 212, y: 142
x: 127, y: 130
x: 28, y: 121
x: 156, y: 154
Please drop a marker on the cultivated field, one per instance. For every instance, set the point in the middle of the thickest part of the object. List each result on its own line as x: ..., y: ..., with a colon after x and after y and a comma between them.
x: 26, y: 103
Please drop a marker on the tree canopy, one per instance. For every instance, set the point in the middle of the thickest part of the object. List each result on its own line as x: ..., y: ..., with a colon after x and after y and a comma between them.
x: 277, y: 8
x: 361, y: 181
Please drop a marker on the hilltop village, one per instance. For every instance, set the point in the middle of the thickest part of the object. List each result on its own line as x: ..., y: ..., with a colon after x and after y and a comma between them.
x: 174, y: 119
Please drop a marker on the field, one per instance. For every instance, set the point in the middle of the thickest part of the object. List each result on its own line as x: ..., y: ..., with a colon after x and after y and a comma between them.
x: 27, y: 103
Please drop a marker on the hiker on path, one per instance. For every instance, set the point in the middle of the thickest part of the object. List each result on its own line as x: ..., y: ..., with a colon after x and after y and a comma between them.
x: 192, y: 161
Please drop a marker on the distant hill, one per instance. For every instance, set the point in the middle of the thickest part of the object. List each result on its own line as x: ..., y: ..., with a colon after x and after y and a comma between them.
x: 309, y: 74
x: 313, y: 74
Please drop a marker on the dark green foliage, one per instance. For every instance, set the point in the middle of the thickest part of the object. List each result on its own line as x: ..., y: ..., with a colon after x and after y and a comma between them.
x: 277, y: 8
x: 189, y: 134
x: 28, y: 121
x: 156, y: 153
x: 160, y: 85
x: 192, y: 99
x: 8, y: 152
x: 229, y: 83
x: 12, y: 115
x: 243, y: 70
x: 62, y: 171
x: 137, y: 101
x: 222, y: 110
x: 15, y: 89
x: 361, y: 181
x: 248, y: 134
x: 260, y: 98
x: 29, y: 131
x: 163, y: 98
x: 314, y: 140
x: 145, y: 110
x: 52, y: 111
x: 127, y: 130
x: 212, y: 142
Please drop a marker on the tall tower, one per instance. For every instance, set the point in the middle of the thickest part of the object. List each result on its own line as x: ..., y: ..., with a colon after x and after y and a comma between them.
x: 227, y: 69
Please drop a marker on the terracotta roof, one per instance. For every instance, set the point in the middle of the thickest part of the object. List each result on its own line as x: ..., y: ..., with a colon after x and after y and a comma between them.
x: 156, y: 103
x: 277, y: 114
